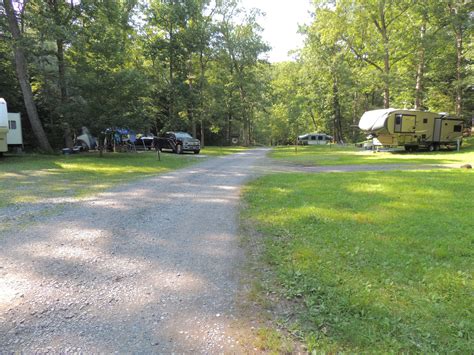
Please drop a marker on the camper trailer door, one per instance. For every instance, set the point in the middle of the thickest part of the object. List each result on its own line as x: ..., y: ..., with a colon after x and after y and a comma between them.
x: 437, y: 130
x: 404, y: 123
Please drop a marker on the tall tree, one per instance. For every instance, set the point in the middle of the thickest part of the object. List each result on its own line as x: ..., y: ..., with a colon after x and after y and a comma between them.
x: 376, y: 32
x: 54, y: 20
x: 21, y: 67
x: 243, y: 45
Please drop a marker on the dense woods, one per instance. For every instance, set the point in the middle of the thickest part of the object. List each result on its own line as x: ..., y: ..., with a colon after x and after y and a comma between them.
x: 200, y: 66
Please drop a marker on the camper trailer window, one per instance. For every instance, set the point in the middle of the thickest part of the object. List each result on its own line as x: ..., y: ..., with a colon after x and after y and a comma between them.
x: 425, y: 120
x: 12, y: 124
x: 398, y: 119
x: 457, y: 128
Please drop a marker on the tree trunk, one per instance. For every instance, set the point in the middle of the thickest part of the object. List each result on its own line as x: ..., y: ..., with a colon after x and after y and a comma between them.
x: 337, y: 112
x: 382, y: 28
x: 171, y: 74
x: 63, y: 89
x: 202, y: 135
x: 421, y: 70
x: 24, y: 80
x: 386, y: 88
x: 61, y: 70
x: 311, y: 113
x: 459, y: 68
x: 354, y: 117
x: 229, y: 128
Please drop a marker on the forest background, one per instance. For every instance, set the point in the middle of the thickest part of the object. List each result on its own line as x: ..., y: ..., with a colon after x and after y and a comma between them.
x: 201, y: 66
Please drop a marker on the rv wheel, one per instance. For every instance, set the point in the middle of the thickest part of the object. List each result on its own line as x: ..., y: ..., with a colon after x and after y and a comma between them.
x: 431, y: 148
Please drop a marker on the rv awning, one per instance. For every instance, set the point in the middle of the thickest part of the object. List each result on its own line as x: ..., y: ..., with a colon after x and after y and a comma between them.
x: 374, y: 120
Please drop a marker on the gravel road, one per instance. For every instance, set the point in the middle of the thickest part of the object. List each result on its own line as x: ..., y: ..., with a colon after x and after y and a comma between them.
x: 150, y: 266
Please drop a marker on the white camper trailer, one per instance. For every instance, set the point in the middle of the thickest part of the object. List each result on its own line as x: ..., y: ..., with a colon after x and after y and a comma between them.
x: 314, y: 139
x: 412, y: 129
x: 3, y: 126
x: 14, y: 135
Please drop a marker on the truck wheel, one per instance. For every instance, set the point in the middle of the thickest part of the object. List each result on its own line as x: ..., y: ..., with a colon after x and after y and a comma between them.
x: 179, y: 149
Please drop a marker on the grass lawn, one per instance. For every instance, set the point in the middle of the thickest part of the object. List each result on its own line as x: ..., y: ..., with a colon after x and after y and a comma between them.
x: 337, y: 155
x: 369, y: 262
x: 29, y: 178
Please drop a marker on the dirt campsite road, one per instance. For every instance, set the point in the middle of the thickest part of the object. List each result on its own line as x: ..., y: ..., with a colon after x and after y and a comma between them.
x: 151, y: 266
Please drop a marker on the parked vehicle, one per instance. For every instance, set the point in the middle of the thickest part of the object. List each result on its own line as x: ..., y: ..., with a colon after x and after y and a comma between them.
x: 178, y: 142
x: 15, y: 134
x: 412, y: 129
x: 3, y: 126
x: 314, y: 139
x: 11, y: 136
x: 144, y: 141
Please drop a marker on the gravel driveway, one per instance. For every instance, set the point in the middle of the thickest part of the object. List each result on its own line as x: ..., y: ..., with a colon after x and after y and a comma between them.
x: 150, y: 266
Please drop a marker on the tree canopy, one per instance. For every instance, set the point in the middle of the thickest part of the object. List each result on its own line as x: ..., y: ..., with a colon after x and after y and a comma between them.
x: 200, y: 66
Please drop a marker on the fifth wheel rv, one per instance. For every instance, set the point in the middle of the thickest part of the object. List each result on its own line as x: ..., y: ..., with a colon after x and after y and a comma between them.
x: 412, y: 129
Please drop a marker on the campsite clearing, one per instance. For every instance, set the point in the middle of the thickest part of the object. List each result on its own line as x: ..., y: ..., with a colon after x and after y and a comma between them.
x: 30, y: 178
x: 366, y: 261
x: 349, y: 155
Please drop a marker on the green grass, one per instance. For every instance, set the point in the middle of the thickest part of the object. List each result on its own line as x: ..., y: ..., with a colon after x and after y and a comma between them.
x: 349, y: 155
x: 30, y: 178
x: 372, y: 261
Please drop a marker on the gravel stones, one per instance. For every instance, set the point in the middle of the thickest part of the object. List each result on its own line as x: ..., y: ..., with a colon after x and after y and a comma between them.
x: 150, y: 266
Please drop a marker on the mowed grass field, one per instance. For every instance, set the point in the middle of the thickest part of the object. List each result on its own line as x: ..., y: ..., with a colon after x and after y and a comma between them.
x: 349, y: 155
x: 29, y: 178
x: 369, y: 261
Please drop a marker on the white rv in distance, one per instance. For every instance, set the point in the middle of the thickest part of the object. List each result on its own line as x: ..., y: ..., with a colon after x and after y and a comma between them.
x: 314, y: 139
x: 10, y: 129
x: 412, y: 129
x: 14, y: 135
x: 3, y: 126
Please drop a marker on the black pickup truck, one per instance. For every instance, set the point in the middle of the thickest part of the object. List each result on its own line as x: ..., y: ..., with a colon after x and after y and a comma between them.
x: 178, y: 142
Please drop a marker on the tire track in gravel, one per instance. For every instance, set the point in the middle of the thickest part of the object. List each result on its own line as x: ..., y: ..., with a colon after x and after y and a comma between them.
x: 151, y: 266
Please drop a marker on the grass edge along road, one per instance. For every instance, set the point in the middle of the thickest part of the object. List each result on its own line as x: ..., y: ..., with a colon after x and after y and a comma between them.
x: 324, y: 155
x: 29, y: 178
x: 368, y: 261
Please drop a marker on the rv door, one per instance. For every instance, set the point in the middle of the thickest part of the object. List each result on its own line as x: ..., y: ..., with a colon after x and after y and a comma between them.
x: 405, y: 123
x: 437, y: 130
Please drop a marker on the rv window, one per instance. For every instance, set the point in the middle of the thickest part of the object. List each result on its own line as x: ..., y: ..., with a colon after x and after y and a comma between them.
x: 398, y: 119
x: 457, y: 128
x: 12, y: 124
x: 320, y: 138
x: 313, y: 138
x: 425, y: 120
